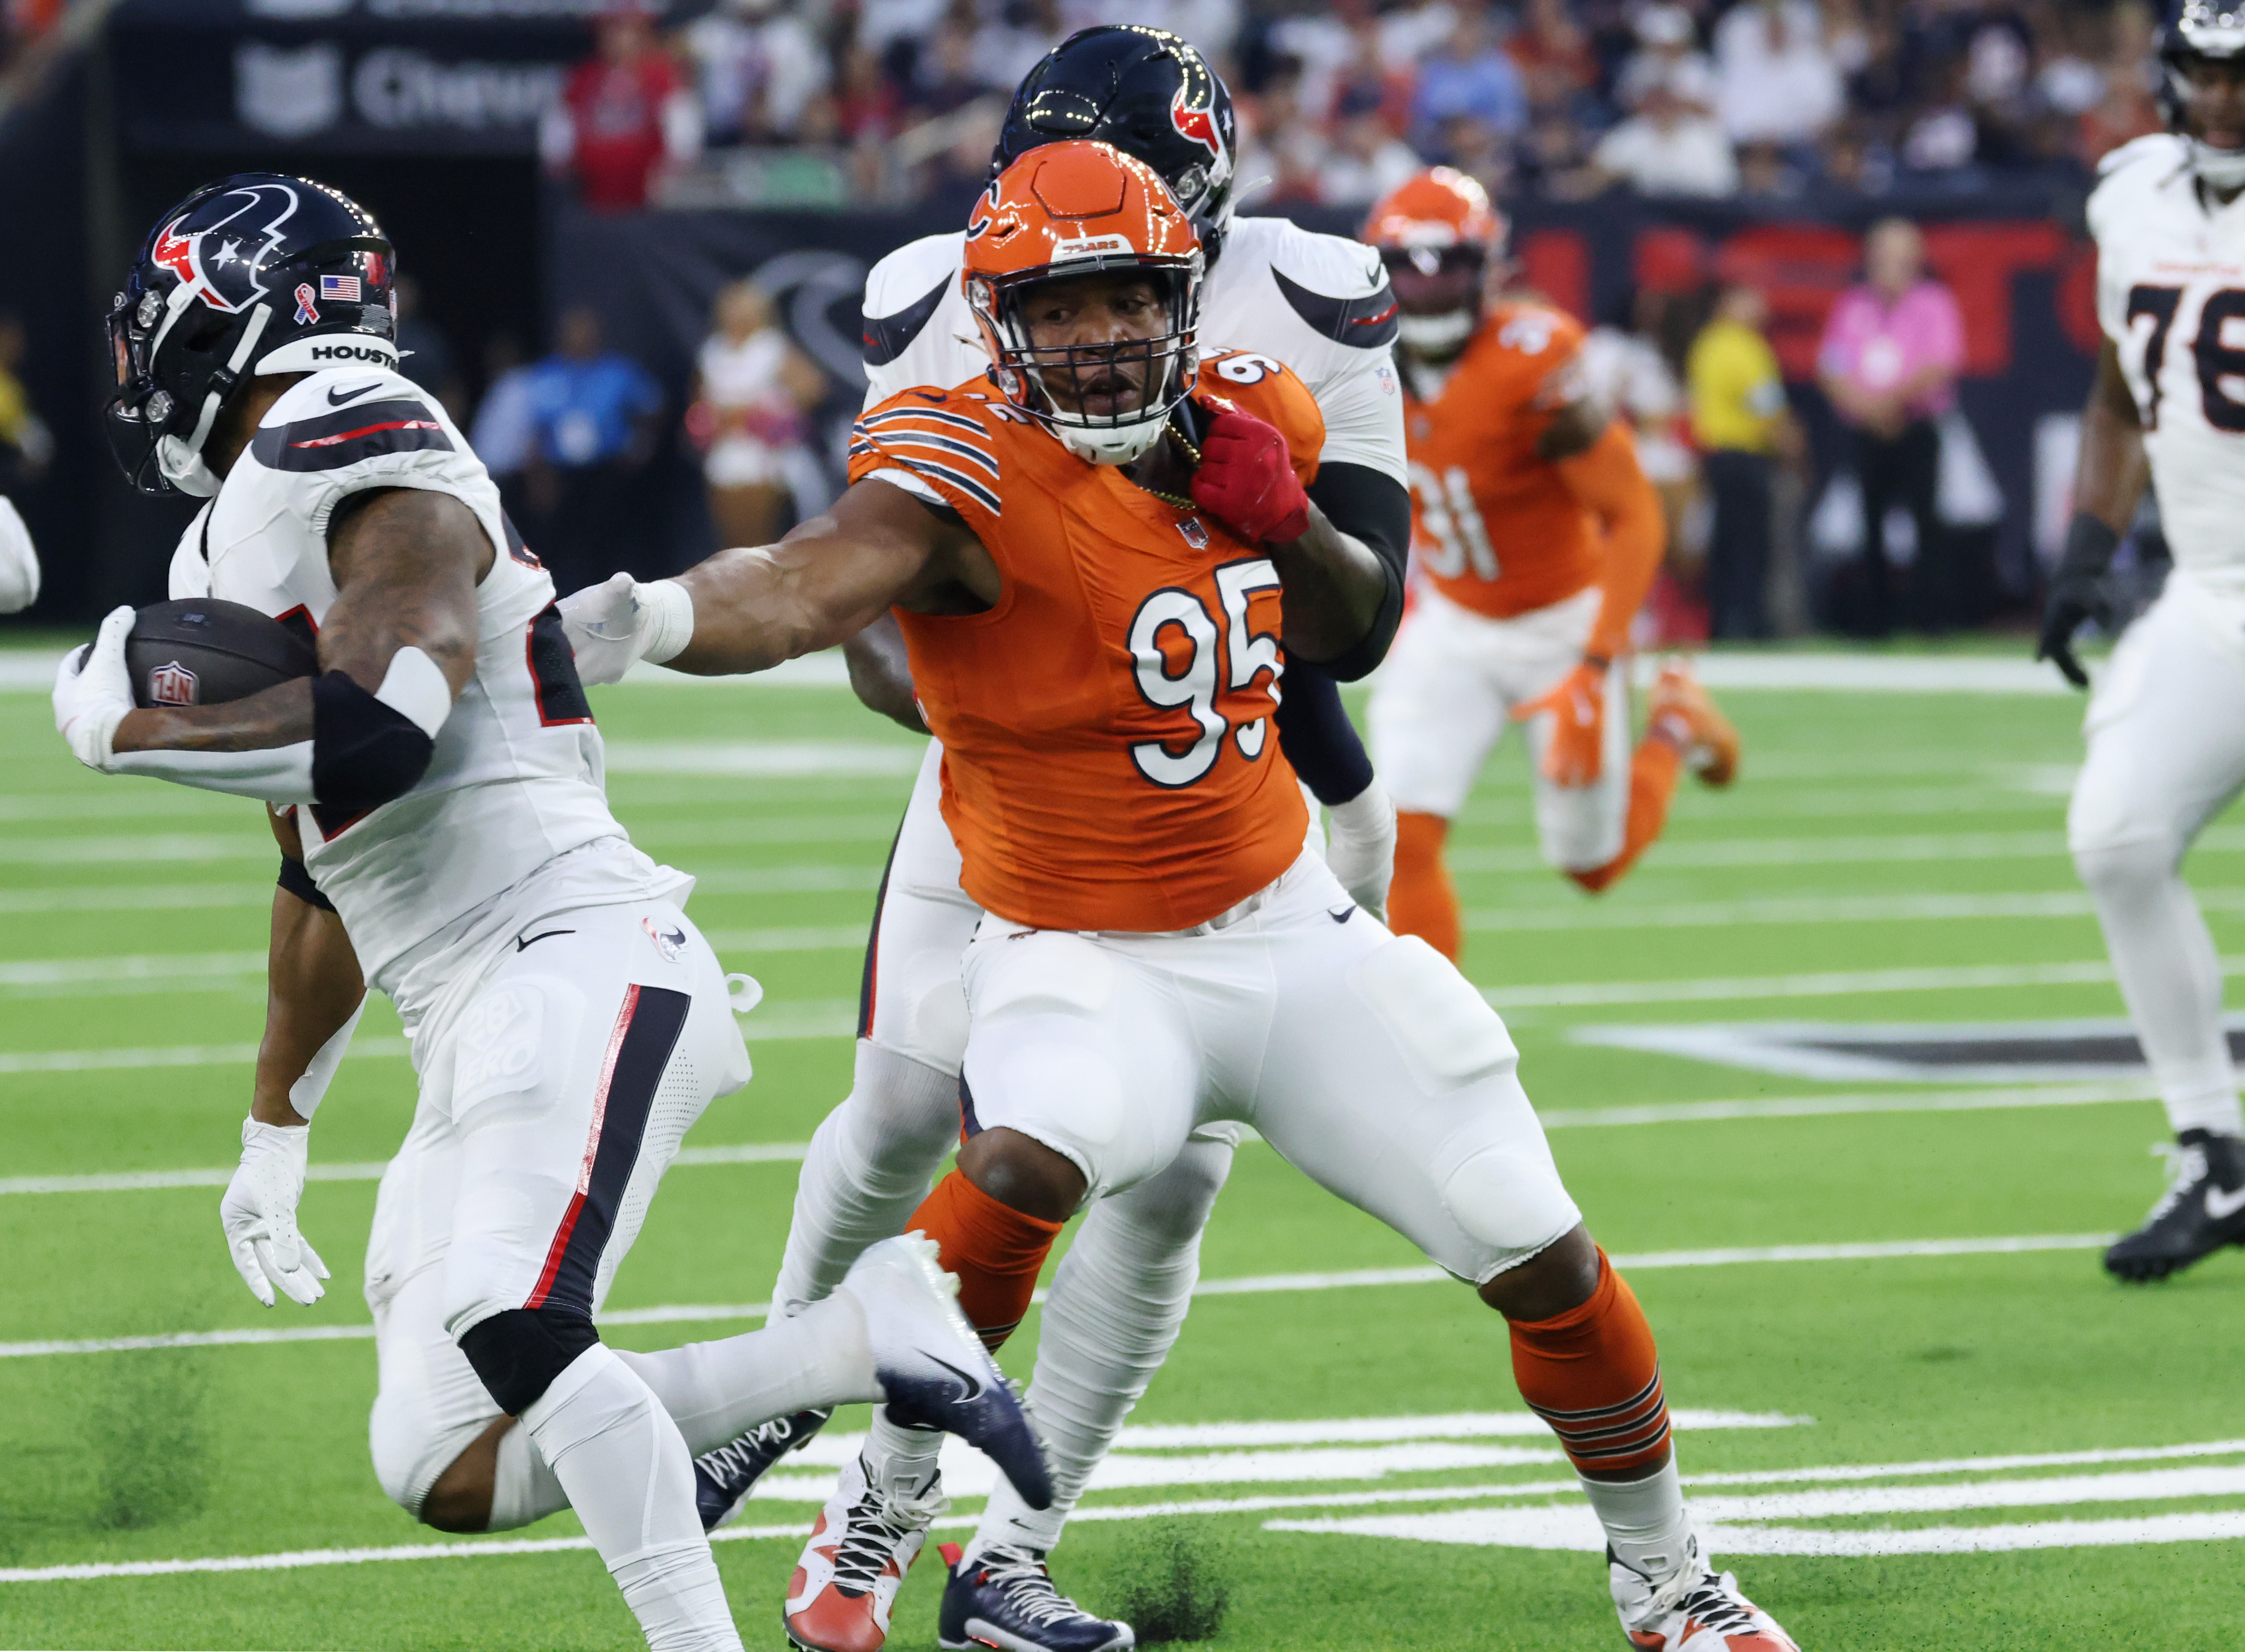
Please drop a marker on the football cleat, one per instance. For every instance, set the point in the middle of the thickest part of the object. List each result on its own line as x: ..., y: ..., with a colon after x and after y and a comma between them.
x: 1706, y: 736
x: 933, y: 1370
x: 1005, y: 1598
x: 723, y: 1478
x: 2202, y: 1210
x: 1694, y: 1609
x: 866, y: 1538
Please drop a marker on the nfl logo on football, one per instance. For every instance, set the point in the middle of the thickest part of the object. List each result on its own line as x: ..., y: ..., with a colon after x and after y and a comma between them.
x: 172, y: 684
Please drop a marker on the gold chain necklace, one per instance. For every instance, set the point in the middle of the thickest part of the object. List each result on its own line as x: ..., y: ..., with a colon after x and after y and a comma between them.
x: 1191, y: 454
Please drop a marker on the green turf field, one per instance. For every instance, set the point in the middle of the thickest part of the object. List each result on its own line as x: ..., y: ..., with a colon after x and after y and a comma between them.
x: 1898, y: 1442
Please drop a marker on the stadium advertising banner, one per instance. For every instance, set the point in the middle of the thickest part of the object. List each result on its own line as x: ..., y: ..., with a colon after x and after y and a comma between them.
x: 452, y: 77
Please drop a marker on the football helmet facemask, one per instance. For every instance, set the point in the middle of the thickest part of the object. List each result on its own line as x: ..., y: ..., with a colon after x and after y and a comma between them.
x: 1064, y: 211
x: 258, y: 273
x: 1436, y: 233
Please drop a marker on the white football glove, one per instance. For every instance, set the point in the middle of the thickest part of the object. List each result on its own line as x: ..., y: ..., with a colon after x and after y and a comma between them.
x: 1360, y: 847
x: 259, y: 1214
x: 19, y: 563
x: 615, y: 624
x: 93, y: 691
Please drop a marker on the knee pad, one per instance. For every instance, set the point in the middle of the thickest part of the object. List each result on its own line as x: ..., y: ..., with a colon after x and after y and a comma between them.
x: 1446, y: 1033
x: 518, y: 1353
x: 2128, y: 869
x: 410, y: 1450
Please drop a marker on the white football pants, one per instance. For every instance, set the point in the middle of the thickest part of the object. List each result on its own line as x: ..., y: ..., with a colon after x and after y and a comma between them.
x: 1444, y: 697
x: 1118, y: 1302
x: 2166, y: 731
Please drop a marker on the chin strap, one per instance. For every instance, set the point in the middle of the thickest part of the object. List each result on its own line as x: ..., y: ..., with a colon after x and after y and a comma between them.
x: 2221, y: 168
x: 181, y: 460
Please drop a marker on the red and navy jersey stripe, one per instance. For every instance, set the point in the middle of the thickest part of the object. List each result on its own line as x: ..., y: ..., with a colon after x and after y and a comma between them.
x: 332, y: 440
x: 639, y: 1046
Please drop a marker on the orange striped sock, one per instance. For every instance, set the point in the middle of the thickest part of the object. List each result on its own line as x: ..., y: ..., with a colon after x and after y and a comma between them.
x: 1594, y: 1375
x: 995, y: 1250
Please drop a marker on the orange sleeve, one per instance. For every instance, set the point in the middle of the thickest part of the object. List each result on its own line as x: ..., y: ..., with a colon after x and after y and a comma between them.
x: 938, y: 447
x: 1275, y: 396
x: 1605, y: 477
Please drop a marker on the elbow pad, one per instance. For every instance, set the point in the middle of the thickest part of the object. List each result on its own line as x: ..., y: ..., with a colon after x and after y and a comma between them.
x: 369, y: 749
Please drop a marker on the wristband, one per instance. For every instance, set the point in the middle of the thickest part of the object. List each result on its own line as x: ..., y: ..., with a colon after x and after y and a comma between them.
x: 666, y: 619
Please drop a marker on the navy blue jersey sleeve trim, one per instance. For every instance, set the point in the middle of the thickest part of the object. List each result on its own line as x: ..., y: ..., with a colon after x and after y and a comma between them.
x: 1367, y: 324
x: 334, y: 440
x: 888, y: 337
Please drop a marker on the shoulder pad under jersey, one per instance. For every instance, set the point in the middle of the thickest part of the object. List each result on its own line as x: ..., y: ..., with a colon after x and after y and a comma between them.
x: 903, y: 290
x: 1338, y: 287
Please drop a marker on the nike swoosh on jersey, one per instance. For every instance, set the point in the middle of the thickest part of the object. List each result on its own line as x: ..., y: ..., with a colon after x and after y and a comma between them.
x: 521, y: 945
x: 352, y: 392
x: 2220, y: 1205
x: 1343, y: 915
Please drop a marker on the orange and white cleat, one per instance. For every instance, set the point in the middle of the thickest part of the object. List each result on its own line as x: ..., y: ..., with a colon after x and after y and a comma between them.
x: 1692, y: 1609
x: 1706, y: 736
x: 846, y: 1582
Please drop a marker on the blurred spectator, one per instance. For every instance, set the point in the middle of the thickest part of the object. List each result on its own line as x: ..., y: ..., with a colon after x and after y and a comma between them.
x: 1552, y: 160
x: 1943, y: 136
x: 1891, y: 352
x: 26, y: 445
x: 1776, y: 81
x: 625, y: 117
x: 947, y: 76
x: 752, y: 390
x: 1324, y: 43
x: 2072, y: 81
x: 1474, y: 148
x: 425, y: 355
x: 1767, y: 173
x: 1624, y: 369
x: 1213, y: 25
x: 760, y: 66
x: 1470, y: 75
x: 1553, y: 57
x: 1369, y: 74
x: 1366, y: 159
x: 1008, y: 47
x: 593, y: 418
x: 1743, y: 426
x: 503, y: 427
x: 1667, y: 148
x: 1668, y: 55
x: 1278, y: 143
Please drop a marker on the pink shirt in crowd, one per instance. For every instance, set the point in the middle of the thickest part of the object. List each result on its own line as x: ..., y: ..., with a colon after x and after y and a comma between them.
x: 1875, y: 346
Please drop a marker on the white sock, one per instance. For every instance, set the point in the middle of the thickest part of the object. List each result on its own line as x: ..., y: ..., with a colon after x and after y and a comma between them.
x: 523, y: 1489
x: 630, y: 1478
x: 716, y: 1391
x: 1647, y: 1526
x: 1116, y: 1306
x: 899, y: 1460
x: 871, y: 1161
x: 2170, y: 976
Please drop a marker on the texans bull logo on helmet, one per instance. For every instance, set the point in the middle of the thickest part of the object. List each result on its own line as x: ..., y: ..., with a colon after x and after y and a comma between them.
x: 1194, y: 120
x: 219, y: 252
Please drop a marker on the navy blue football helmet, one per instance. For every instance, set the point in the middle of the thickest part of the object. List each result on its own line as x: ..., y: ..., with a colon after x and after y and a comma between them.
x: 258, y: 273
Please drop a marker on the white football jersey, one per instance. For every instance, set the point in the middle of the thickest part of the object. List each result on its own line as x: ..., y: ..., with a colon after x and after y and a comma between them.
x: 2170, y: 296
x: 516, y: 777
x: 1320, y: 303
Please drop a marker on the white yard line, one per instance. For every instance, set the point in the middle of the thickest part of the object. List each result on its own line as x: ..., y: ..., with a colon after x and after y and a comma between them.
x: 1849, y: 851
x: 2062, y: 903
x: 1810, y: 984
x: 763, y: 759
x: 1349, y: 1278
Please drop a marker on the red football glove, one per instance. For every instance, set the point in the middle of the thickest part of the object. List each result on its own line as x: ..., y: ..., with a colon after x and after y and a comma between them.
x: 1576, y: 705
x: 1246, y: 479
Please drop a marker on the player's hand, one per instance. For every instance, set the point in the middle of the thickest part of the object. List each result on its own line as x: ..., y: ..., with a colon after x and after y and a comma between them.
x: 259, y: 1214
x: 93, y: 691
x: 614, y: 625
x: 1246, y: 479
x: 1360, y: 847
x: 2077, y: 594
x: 1576, y: 705
x: 19, y: 563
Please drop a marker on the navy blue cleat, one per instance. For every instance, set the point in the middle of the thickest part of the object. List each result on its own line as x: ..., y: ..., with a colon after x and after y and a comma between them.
x: 1005, y: 1598
x: 934, y: 1369
x: 723, y: 1478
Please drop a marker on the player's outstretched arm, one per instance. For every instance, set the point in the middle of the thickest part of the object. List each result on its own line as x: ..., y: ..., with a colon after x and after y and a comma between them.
x: 2108, y: 484
x: 878, y: 548
x: 396, y: 647
x: 314, y: 995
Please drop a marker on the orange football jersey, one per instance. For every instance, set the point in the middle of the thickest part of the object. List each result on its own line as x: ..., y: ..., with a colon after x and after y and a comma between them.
x: 1109, y: 761
x: 1494, y: 527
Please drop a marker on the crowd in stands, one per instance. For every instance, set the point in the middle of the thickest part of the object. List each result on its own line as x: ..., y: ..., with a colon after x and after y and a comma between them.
x: 1338, y: 100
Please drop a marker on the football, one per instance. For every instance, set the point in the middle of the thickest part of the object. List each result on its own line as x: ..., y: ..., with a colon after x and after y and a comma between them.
x: 203, y: 652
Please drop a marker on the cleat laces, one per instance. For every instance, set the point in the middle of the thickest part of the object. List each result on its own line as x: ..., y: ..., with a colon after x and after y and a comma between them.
x: 2187, y: 1167
x: 875, y: 1527
x: 1710, y: 1600
x: 1021, y: 1577
x: 755, y: 1450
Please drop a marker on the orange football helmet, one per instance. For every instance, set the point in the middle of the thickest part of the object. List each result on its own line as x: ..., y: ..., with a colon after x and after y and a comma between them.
x: 1061, y: 211
x: 1437, y: 234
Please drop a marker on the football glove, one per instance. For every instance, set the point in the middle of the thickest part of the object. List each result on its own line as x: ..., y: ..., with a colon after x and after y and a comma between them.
x: 94, y: 691
x: 1576, y: 704
x: 1246, y: 479
x: 615, y: 624
x: 259, y: 1214
x: 2076, y: 594
x: 19, y: 563
x: 1360, y: 847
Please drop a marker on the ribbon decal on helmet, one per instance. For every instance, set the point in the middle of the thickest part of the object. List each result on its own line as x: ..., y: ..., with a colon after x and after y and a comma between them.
x: 307, y: 313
